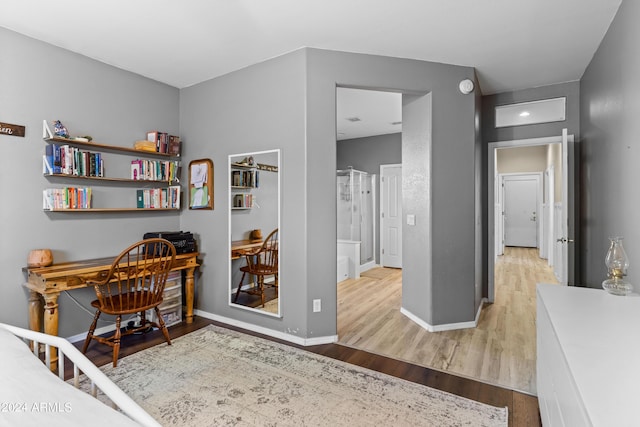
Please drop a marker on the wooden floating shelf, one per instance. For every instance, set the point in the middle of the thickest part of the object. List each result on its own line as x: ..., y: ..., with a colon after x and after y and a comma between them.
x: 96, y: 146
x: 104, y: 178
x: 112, y: 210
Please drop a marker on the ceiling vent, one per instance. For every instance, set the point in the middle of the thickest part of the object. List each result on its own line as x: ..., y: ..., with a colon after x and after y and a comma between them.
x: 354, y: 119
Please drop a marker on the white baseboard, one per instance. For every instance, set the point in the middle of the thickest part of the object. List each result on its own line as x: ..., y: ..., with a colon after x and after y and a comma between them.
x: 368, y: 266
x: 98, y: 331
x: 447, y: 326
x: 266, y: 331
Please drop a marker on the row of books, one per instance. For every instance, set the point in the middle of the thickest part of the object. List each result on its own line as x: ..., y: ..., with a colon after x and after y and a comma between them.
x: 244, y: 200
x: 155, y: 170
x: 69, y: 160
x: 159, y: 198
x: 165, y: 143
x: 245, y: 178
x: 66, y: 198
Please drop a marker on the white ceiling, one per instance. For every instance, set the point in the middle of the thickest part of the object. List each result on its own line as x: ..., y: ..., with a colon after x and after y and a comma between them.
x: 512, y: 44
x: 378, y: 113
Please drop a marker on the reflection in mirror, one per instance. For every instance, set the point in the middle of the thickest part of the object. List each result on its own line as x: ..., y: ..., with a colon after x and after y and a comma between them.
x: 254, y: 223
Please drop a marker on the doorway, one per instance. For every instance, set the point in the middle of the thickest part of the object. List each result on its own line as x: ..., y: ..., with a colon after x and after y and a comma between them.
x: 521, y: 197
x: 560, y: 209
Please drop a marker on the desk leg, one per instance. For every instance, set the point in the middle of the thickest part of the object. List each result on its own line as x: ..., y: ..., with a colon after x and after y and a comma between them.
x: 35, y: 311
x: 189, y: 291
x: 51, y: 324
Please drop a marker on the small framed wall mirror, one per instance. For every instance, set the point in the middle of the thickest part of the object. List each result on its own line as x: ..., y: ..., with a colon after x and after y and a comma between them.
x: 254, y: 231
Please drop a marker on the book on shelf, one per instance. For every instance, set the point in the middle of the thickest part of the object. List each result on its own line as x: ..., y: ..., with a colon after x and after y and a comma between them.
x: 69, y: 160
x: 244, y: 178
x: 155, y: 170
x: 66, y: 198
x: 165, y: 143
x: 155, y: 198
x: 243, y: 201
x: 174, y: 145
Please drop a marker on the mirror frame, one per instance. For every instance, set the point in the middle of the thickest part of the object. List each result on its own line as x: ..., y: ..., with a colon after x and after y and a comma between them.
x: 229, y: 227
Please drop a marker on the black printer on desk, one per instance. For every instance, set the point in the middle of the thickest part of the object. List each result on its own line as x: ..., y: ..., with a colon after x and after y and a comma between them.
x: 182, y: 240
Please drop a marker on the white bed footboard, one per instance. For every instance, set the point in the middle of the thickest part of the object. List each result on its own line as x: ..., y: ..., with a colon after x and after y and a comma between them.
x: 25, y: 385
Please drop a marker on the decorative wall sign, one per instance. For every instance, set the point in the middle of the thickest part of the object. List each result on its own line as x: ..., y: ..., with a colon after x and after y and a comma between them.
x: 13, y: 130
x: 269, y: 168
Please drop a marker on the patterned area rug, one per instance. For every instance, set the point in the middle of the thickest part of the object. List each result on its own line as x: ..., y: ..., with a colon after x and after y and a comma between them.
x: 270, y: 306
x: 215, y: 377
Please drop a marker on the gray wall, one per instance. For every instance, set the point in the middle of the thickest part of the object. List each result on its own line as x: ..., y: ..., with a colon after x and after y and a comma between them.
x: 367, y: 154
x: 289, y: 103
x: 610, y: 107
x: 451, y: 173
x: 570, y: 90
x: 40, y: 81
x: 261, y: 107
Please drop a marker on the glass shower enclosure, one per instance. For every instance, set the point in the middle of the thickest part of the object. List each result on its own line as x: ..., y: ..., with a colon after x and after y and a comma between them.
x: 356, y: 211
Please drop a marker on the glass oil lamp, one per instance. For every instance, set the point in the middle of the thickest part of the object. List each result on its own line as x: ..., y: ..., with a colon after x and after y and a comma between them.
x: 617, y: 264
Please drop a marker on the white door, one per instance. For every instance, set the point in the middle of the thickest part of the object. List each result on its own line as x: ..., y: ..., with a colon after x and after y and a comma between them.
x: 520, y: 210
x: 498, y: 217
x: 567, y: 226
x: 391, y: 216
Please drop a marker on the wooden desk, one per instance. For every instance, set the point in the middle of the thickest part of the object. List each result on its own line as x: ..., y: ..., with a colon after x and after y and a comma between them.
x: 237, y: 246
x: 46, y: 283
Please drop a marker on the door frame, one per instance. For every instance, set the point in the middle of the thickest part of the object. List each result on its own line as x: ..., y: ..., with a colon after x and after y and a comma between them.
x: 491, y: 188
x: 380, y: 203
x: 539, y: 189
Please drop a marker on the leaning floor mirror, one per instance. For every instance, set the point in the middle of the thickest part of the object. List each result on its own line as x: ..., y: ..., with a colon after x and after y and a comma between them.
x: 254, y: 231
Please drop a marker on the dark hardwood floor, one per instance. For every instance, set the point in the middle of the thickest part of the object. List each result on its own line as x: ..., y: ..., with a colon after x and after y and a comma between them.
x: 523, y: 408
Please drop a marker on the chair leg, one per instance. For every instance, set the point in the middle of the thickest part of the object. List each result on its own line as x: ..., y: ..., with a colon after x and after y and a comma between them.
x: 162, y: 325
x: 144, y: 321
x: 92, y: 329
x: 116, y: 342
x: 239, y: 288
x: 261, y: 289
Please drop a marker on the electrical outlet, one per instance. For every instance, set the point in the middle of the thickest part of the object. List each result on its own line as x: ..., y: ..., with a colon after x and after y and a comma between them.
x: 317, y: 305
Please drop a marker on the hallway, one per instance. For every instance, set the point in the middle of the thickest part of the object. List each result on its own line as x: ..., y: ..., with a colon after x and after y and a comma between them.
x: 500, y: 351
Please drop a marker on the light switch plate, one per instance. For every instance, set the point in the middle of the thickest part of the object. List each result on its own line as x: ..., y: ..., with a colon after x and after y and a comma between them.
x: 411, y: 219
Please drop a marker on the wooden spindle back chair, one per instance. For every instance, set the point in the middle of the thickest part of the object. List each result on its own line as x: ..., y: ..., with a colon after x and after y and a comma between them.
x: 261, y: 262
x: 134, y: 284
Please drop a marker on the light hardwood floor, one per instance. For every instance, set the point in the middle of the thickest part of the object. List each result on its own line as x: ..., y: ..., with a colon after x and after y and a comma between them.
x: 501, y: 350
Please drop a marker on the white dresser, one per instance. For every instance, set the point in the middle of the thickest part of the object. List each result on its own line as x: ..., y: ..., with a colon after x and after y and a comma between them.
x: 588, y: 357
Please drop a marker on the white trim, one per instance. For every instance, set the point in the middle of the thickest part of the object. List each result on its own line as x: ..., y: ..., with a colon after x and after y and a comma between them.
x: 99, y: 331
x: 446, y: 326
x: 526, y: 142
x: 230, y: 215
x: 539, y: 178
x: 491, y: 160
x: 330, y: 339
x: 368, y: 266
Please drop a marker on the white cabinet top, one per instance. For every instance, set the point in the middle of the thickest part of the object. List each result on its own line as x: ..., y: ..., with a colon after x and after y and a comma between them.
x: 599, y: 335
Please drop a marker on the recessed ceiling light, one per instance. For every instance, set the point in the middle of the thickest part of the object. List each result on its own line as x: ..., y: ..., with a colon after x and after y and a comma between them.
x: 525, y: 114
x: 354, y: 119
